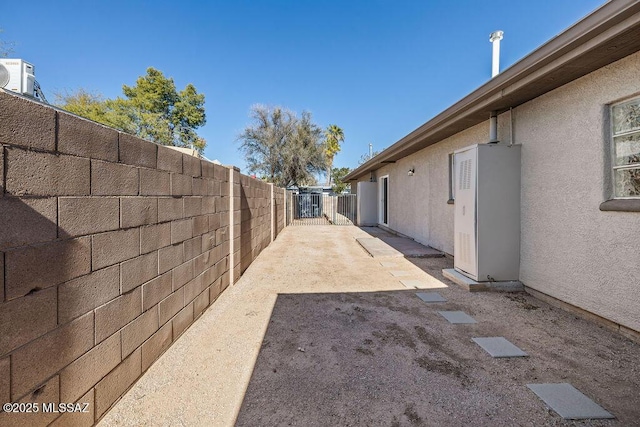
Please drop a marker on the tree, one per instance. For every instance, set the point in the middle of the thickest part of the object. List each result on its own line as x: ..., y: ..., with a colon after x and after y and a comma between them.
x: 114, y: 113
x: 152, y: 109
x: 339, y: 185
x: 6, y: 47
x: 263, y: 142
x: 304, y: 154
x: 333, y: 137
x: 83, y: 103
x: 282, y: 147
x: 366, y: 157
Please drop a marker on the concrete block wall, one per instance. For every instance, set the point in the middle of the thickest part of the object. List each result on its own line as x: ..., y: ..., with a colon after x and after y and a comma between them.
x: 110, y: 247
x: 279, y: 210
x: 255, y: 219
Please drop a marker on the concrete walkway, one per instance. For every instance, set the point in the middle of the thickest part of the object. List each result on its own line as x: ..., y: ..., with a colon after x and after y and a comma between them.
x: 382, y: 244
x: 201, y: 380
x: 317, y: 332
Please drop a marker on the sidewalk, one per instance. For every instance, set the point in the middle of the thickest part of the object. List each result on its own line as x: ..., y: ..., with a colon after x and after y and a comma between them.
x: 318, y: 332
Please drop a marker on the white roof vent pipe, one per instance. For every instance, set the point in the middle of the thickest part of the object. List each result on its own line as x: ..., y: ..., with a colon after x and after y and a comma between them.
x: 495, y: 38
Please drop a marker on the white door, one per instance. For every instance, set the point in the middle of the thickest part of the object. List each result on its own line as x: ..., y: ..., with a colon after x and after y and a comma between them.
x: 464, y: 249
x: 383, y: 191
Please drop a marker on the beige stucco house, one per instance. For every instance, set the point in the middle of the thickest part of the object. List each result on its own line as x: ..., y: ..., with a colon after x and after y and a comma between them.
x: 573, y: 107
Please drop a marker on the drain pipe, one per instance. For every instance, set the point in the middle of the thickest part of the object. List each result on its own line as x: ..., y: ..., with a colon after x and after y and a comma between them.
x: 511, y: 137
x: 493, y: 127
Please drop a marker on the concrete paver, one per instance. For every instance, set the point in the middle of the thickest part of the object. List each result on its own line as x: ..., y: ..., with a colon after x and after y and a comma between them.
x: 431, y: 297
x: 457, y: 317
x: 408, y: 247
x: 499, y: 347
x: 568, y: 402
x: 377, y: 248
x: 423, y: 283
x: 399, y: 273
x: 411, y: 248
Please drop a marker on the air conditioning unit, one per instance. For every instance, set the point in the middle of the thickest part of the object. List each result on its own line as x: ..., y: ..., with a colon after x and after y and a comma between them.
x: 18, y: 76
x: 487, y: 212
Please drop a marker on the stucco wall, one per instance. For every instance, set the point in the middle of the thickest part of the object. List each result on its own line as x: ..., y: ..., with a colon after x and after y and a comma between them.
x: 570, y: 249
x: 418, y: 204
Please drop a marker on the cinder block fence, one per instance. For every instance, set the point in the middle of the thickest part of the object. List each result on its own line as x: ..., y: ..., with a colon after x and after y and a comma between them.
x: 110, y: 247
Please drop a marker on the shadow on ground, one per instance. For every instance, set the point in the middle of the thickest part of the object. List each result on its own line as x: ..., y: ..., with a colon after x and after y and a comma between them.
x: 405, y: 245
x: 388, y: 358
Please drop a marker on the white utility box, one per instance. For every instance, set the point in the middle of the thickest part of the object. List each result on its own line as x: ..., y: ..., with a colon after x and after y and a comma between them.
x: 367, y: 201
x: 487, y: 212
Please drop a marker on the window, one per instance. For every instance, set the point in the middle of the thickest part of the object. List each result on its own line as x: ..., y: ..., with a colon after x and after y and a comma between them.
x: 625, y: 127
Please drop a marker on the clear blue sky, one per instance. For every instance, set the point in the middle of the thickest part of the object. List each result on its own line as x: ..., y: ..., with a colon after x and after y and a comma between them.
x: 378, y: 69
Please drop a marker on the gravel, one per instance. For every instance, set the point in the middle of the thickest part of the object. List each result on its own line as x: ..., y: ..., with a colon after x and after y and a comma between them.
x: 318, y: 333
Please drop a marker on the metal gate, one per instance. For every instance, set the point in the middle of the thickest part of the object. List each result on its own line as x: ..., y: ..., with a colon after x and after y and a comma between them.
x: 321, y: 209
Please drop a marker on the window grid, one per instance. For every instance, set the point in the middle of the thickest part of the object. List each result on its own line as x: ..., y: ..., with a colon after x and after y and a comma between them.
x: 625, y: 130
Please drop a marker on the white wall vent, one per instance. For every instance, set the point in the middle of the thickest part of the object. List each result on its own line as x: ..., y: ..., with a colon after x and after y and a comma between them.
x: 465, y: 174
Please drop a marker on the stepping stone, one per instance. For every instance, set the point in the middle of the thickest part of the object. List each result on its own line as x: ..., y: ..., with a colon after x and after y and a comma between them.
x: 499, y: 347
x: 417, y: 284
x: 429, y: 282
x: 388, y: 264
x: 568, y: 402
x: 377, y: 248
x: 399, y: 273
x: 431, y: 297
x: 457, y: 317
x: 408, y: 285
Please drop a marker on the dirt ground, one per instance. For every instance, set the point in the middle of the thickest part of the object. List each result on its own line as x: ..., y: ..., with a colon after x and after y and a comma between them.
x: 318, y: 333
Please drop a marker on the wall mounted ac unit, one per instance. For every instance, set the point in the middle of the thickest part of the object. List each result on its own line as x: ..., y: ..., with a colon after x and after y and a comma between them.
x: 18, y: 76
x: 487, y: 212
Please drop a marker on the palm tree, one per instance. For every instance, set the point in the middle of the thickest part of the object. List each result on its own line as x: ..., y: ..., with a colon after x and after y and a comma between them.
x: 333, y: 137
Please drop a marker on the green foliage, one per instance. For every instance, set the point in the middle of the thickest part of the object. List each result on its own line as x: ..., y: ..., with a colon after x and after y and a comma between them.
x: 152, y: 109
x: 333, y: 135
x: 94, y: 107
x: 285, y: 149
x: 339, y: 185
x: 83, y: 103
